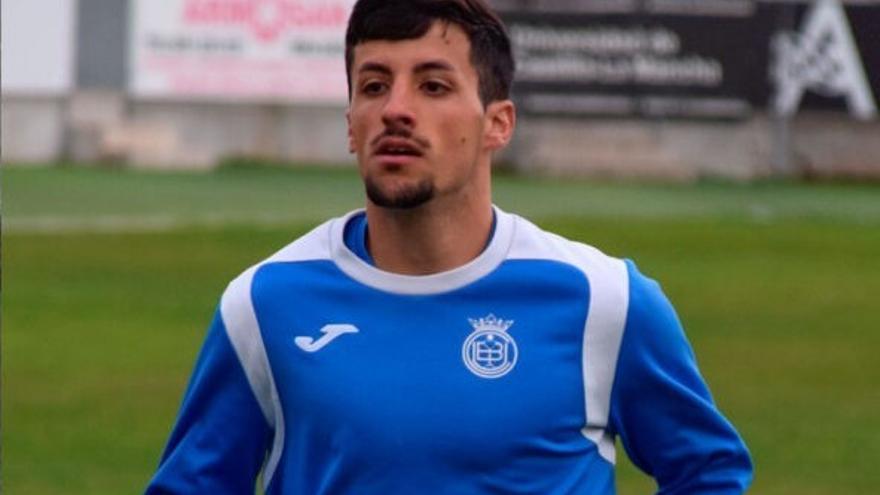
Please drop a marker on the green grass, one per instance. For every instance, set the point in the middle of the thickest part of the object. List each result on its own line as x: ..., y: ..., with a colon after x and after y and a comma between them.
x: 110, y: 277
x: 77, y: 199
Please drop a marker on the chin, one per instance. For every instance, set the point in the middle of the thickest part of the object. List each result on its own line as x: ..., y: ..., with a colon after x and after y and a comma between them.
x: 401, y: 195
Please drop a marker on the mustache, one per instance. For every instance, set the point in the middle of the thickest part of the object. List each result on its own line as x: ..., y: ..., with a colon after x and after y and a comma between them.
x: 401, y: 132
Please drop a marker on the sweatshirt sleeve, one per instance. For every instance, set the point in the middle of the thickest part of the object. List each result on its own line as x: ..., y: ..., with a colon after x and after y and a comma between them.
x: 219, y: 442
x: 662, y: 409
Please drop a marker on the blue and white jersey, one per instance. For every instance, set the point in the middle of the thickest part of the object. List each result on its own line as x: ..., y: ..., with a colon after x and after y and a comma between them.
x: 512, y: 374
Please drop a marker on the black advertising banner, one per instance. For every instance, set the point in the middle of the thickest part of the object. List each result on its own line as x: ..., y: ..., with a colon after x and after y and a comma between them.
x: 716, y: 59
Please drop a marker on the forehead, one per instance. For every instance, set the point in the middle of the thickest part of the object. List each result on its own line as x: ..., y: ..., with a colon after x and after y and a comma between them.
x: 443, y: 41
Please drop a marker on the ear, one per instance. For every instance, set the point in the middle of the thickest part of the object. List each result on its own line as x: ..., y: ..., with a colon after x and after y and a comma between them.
x: 351, y: 147
x: 500, y: 124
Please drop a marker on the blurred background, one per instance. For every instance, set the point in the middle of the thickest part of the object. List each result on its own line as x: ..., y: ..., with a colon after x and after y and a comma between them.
x: 153, y: 149
x: 668, y: 89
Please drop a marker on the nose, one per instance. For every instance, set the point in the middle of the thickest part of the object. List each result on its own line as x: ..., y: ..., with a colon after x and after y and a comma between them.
x: 398, y: 110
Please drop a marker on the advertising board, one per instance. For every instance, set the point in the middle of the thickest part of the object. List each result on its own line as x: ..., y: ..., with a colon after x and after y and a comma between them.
x: 715, y: 59
x: 239, y: 50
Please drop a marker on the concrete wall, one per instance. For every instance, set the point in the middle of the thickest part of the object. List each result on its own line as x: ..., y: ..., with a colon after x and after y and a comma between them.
x: 100, y: 125
x: 200, y: 135
x: 831, y: 145
x: 668, y: 150
x: 33, y: 129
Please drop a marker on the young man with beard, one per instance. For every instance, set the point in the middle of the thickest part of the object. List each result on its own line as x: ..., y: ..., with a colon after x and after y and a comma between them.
x: 432, y: 343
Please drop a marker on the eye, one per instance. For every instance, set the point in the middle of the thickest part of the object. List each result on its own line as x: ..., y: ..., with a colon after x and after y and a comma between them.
x: 435, y: 88
x: 372, y: 88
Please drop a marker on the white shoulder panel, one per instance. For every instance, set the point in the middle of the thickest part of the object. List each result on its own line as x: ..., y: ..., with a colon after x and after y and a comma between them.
x: 603, y: 328
x: 242, y: 327
x: 315, y: 245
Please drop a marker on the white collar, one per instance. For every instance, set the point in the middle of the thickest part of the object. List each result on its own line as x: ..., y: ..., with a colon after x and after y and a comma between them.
x: 436, y: 283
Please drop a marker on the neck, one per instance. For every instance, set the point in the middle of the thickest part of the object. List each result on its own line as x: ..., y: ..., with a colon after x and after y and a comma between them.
x: 431, y: 238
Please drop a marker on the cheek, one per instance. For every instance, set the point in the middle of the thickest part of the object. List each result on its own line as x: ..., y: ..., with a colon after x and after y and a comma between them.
x: 466, y: 135
x: 359, y: 130
x: 359, y: 119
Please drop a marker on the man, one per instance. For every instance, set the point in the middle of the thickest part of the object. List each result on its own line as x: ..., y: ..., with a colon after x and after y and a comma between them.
x: 433, y: 343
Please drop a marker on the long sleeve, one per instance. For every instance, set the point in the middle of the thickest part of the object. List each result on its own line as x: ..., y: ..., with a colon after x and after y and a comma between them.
x: 221, y: 436
x: 662, y: 409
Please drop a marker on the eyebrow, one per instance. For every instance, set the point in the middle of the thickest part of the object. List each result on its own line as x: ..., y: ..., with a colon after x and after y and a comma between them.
x: 374, y: 67
x: 433, y: 65
x: 430, y: 65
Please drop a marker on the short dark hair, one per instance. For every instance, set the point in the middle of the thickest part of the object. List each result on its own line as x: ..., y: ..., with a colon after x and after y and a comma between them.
x: 397, y: 20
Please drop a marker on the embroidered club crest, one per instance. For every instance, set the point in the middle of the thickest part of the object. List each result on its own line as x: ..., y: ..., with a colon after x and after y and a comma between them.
x: 490, y: 352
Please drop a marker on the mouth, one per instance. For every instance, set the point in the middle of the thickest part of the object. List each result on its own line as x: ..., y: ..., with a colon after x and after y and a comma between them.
x: 392, y: 147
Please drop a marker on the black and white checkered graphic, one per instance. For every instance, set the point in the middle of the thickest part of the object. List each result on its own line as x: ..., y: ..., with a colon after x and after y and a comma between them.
x: 812, y: 63
x: 822, y: 58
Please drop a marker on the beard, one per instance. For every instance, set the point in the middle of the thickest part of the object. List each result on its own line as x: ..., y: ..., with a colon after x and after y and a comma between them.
x: 404, y: 198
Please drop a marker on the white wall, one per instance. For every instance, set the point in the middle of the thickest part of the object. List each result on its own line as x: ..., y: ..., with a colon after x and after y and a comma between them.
x: 37, y: 75
x: 37, y: 46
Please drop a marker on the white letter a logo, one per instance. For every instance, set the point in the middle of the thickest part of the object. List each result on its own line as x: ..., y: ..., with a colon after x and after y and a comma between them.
x: 822, y: 58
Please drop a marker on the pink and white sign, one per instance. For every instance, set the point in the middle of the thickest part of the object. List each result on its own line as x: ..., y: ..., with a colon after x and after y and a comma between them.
x: 242, y: 50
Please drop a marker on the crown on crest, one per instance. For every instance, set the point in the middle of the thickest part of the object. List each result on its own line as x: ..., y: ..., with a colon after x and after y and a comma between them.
x: 490, y: 322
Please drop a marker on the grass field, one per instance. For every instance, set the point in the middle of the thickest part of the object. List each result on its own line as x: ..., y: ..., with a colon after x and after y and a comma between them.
x: 110, y: 277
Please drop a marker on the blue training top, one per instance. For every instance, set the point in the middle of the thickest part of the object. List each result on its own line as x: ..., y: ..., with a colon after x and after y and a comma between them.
x: 512, y: 374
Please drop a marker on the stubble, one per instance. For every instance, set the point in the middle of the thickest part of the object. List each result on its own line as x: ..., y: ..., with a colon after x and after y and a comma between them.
x: 409, y: 197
